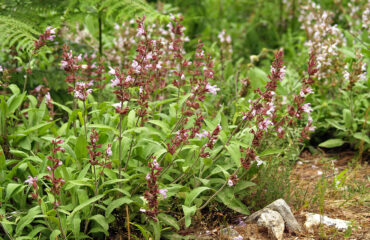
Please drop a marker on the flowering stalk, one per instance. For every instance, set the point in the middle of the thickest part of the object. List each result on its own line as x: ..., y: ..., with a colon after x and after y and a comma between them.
x: 151, y: 195
x: 56, y: 183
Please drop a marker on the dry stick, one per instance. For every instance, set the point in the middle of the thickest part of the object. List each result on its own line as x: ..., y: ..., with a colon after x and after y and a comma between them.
x: 128, y: 223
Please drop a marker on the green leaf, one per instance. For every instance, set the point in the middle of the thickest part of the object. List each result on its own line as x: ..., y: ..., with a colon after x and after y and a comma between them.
x: 54, y: 235
x: 169, y: 220
x: 188, y: 212
x: 332, y: 143
x: 142, y: 230
x: 362, y: 136
x: 26, y: 220
x: 194, y: 194
x: 37, y: 127
x: 11, y: 188
x: 234, y: 150
x: 347, y: 118
x: 242, y: 185
x: 228, y: 198
x: 14, y: 102
x: 15, y: 89
x: 270, y: 152
x: 115, y: 204
x: 65, y: 108
x: 81, y: 147
x: 104, y: 127
x: 157, y: 229
x: 86, y: 203
x: 131, y: 119
x: 101, y: 220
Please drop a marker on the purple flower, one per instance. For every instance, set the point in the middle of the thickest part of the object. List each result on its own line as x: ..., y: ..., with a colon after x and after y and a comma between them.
x: 212, y: 89
x: 109, y: 151
x: 163, y: 192
x: 32, y: 181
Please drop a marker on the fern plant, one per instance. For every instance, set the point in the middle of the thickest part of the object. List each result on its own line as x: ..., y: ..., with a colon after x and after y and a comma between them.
x: 17, y: 33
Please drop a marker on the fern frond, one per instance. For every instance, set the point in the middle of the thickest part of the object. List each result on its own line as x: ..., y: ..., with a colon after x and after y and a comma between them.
x: 17, y: 33
x: 123, y: 10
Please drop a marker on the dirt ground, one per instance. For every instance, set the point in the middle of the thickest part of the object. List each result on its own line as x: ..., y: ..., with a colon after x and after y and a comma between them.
x: 313, y: 180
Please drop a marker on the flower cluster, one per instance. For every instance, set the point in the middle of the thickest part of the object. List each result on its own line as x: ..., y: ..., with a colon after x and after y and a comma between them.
x: 355, y: 72
x: 324, y: 40
x: 212, y: 138
x: 263, y: 109
x: 95, y: 154
x: 296, y: 112
x: 42, y: 92
x: 32, y: 181
x: 151, y: 195
x: 70, y: 65
x: 233, y: 180
x: 82, y: 89
x: 56, y: 183
x: 48, y: 35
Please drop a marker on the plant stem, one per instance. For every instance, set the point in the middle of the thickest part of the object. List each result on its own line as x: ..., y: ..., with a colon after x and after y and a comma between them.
x: 60, y: 225
x: 85, y: 119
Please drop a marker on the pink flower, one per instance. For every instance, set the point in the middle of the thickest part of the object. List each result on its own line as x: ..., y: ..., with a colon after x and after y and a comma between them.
x: 212, y: 89
x: 142, y: 210
x: 230, y: 183
x: 147, y: 177
x: 32, y: 181
x: 163, y: 192
x: 202, y: 135
x: 307, y: 108
x: 109, y: 151
x: 264, y: 124
x: 115, y: 82
x: 111, y: 71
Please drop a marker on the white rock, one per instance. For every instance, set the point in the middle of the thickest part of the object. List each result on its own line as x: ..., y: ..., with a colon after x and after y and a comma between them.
x: 274, y: 223
x: 283, y: 208
x: 313, y: 219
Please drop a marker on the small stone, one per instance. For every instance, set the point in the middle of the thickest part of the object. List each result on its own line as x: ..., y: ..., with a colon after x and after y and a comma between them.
x: 231, y: 233
x: 313, y: 219
x: 282, y: 207
x: 274, y: 223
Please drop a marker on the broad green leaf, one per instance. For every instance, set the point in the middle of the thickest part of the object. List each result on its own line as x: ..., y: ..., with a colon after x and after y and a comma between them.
x: 54, y: 235
x: 228, y: 198
x: 188, y: 212
x: 14, y: 102
x: 332, y: 143
x: 81, y: 147
x: 104, y: 127
x: 157, y: 229
x: 347, y: 118
x: 115, y: 204
x: 65, y: 108
x: 15, y: 89
x: 270, y: 152
x: 86, y: 203
x: 11, y: 188
x: 242, y: 185
x: 362, y: 136
x: 142, y: 230
x: 101, y: 220
x: 194, y: 194
x: 37, y: 127
x: 169, y: 220
x: 26, y: 220
x: 234, y: 150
